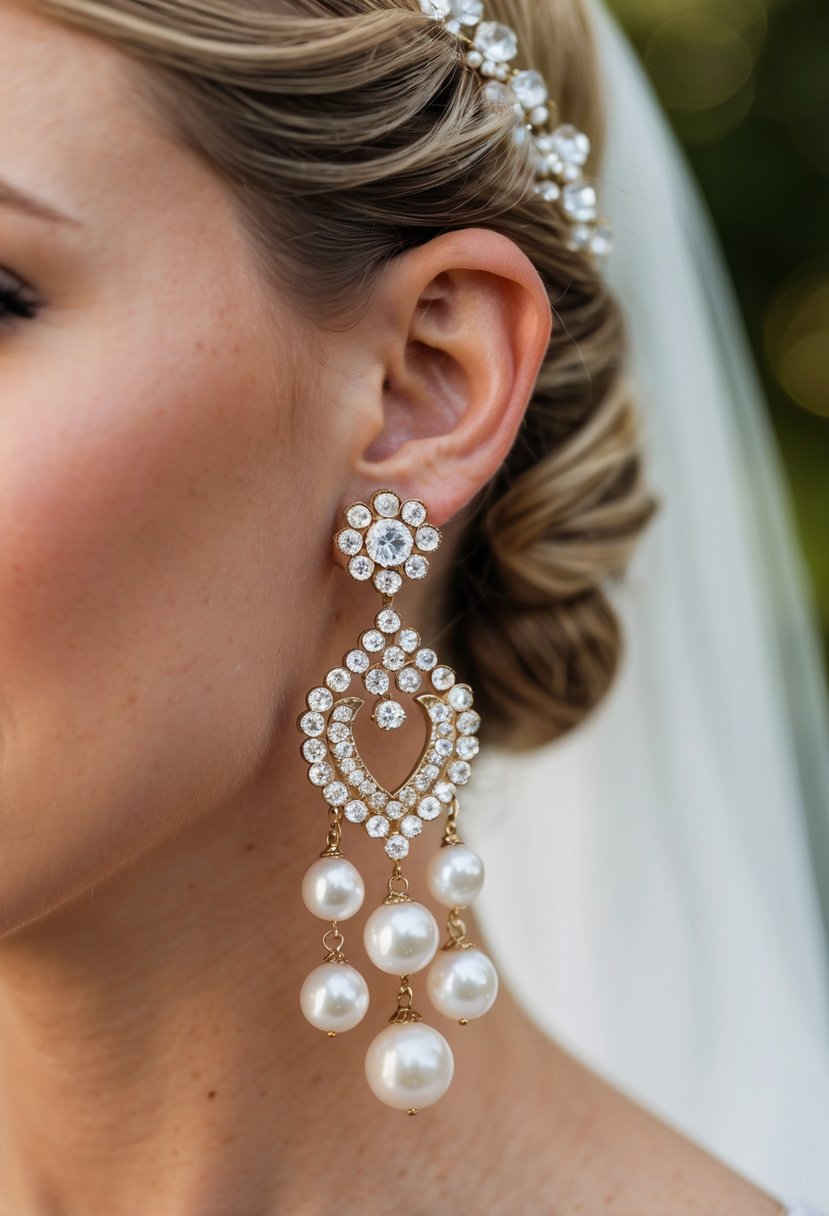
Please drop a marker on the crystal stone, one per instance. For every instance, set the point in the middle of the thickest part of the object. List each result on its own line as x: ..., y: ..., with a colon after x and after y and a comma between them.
x: 356, y: 777
x: 388, y: 621
x: 378, y: 800
x: 342, y: 713
x: 421, y: 783
x: 389, y: 542
x: 355, y: 811
x: 468, y: 12
x: 460, y: 697
x: 496, y: 42
x: 396, y: 846
x: 376, y: 681
x: 467, y: 747
x: 386, y: 503
x: 389, y: 715
x: 579, y: 200
x: 378, y: 825
x: 549, y: 191
x: 444, y: 748
x: 501, y: 96
x: 408, y: 679
x: 338, y: 731
x: 443, y: 678
x: 416, y: 566
x: 320, y: 699
x: 427, y: 538
x: 394, y: 809
x: 367, y: 787
x: 320, y: 773
x: 361, y: 567
x: 428, y: 807
x: 530, y: 89
x: 408, y: 640
x: 431, y: 771
x: 312, y: 724
x: 413, y: 512
x: 349, y: 541
x: 335, y: 793
x: 357, y: 661
x: 440, y: 712
x: 313, y: 750
x: 347, y: 766
x: 393, y: 658
x: 410, y: 825
x: 601, y: 241
x: 358, y: 515
x: 425, y: 659
x: 407, y: 796
x: 572, y: 145
x: 459, y: 772
x: 468, y: 722
x: 338, y: 679
x: 439, y: 9
x: 388, y: 582
x: 373, y: 640
x: 444, y: 791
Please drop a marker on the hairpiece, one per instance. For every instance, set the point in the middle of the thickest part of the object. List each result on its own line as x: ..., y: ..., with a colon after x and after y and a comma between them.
x: 561, y: 152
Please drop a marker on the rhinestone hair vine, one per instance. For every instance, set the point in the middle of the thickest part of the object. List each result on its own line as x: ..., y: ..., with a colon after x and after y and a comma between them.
x: 562, y: 151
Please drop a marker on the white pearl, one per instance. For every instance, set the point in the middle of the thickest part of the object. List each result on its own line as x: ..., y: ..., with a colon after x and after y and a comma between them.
x: 334, y: 997
x: 462, y: 983
x: 409, y: 1066
x: 401, y: 938
x: 333, y: 888
x: 455, y: 875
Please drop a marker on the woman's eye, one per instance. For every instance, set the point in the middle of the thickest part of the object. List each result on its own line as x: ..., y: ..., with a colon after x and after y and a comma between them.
x: 16, y: 300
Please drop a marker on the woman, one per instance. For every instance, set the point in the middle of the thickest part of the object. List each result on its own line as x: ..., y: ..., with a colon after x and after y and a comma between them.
x: 256, y: 267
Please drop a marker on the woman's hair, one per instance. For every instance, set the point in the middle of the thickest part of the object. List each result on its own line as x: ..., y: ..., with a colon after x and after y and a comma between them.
x: 351, y: 130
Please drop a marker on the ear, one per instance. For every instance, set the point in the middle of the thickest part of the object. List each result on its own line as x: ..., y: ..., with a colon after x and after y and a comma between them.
x: 457, y: 330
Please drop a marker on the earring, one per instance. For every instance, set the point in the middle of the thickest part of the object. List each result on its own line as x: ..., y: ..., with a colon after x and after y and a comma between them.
x: 409, y: 1065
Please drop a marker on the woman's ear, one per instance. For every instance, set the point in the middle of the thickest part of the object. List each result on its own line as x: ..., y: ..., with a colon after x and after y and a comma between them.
x: 456, y: 332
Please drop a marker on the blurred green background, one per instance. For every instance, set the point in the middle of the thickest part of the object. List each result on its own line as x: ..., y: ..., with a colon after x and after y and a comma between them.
x: 745, y: 85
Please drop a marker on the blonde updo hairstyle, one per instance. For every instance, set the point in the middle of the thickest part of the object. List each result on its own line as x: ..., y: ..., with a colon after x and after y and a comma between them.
x: 348, y: 131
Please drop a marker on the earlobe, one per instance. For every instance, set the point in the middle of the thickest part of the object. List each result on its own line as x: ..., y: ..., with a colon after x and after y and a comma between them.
x: 460, y: 326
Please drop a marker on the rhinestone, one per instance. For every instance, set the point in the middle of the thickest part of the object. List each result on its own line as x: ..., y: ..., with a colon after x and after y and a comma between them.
x: 356, y: 777
x: 579, y: 201
x: 460, y: 697
x: 378, y: 825
x: 312, y: 724
x: 355, y: 811
x: 416, y: 566
x: 385, y: 503
x: 467, y: 747
x: 408, y: 640
x: 440, y: 713
x: 408, y: 680
x: 501, y: 96
x: 407, y: 796
x: 338, y: 731
x: 342, y: 713
x: 394, y: 809
x: 459, y: 772
x: 411, y: 826
x: 443, y: 678
x: 313, y: 750
x: 389, y: 542
x: 361, y: 567
x: 579, y: 236
x: 571, y: 144
x: 389, y: 715
x: 444, y: 791
x: 421, y: 782
x: 427, y: 538
x: 349, y: 541
x: 347, y: 766
x: 444, y: 747
x: 357, y: 661
x: 359, y: 515
x: 549, y: 192
x: 378, y: 800
x: 530, y: 89
x: 443, y: 728
x: 425, y: 659
x: 601, y: 242
x: 338, y: 679
x: 388, y: 581
x: 468, y: 722
x: 320, y: 773
x: 435, y: 758
x: 393, y: 658
x: 373, y: 640
x: 439, y: 9
x: 431, y: 771
x: 413, y: 512
x: 343, y: 749
x: 468, y: 12
x: 396, y: 846
x: 335, y: 793
x: 429, y: 807
x: 387, y: 620
x: 498, y: 43
x: 367, y: 787
x: 320, y: 699
x: 376, y: 681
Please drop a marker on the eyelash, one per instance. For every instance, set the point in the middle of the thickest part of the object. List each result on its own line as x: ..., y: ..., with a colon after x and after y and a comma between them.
x: 14, y: 305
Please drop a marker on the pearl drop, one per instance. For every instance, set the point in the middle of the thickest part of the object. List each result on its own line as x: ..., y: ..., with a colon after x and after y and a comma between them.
x: 334, y: 997
x: 332, y: 888
x: 462, y: 983
x: 409, y: 1066
x: 455, y: 875
x: 401, y: 938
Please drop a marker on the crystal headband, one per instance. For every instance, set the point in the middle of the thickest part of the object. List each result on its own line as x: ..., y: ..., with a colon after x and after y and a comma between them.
x: 561, y: 152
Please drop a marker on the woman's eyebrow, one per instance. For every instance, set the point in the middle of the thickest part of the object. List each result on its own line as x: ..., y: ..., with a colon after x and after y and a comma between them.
x: 10, y: 196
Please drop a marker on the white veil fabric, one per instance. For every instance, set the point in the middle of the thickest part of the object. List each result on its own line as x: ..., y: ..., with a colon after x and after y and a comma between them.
x: 657, y: 893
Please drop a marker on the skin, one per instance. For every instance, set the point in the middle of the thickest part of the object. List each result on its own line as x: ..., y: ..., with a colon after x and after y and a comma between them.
x: 175, y: 450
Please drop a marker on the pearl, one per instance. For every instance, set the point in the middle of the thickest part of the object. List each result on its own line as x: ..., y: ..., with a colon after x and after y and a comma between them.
x: 462, y: 983
x: 332, y: 888
x: 334, y: 997
x: 401, y: 938
x: 455, y: 875
x: 409, y: 1066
